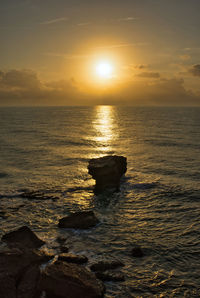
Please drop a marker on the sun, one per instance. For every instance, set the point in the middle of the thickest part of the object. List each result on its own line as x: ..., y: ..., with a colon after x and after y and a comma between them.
x: 104, y: 69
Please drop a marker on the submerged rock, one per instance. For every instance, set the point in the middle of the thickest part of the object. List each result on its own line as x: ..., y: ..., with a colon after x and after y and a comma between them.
x: 71, y: 258
x: 110, y: 276
x: 23, y: 237
x: 79, y: 220
x: 137, y: 252
x: 106, y: 265
x: 107, y: 172
x: 63, y: 279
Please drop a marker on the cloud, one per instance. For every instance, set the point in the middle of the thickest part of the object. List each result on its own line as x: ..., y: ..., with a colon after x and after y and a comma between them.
x: 185, y: 57
x: 141, y: 66
x: 122, y: 45
x: 127, y: 19
x: 195, y: 70
x: 149, y: 74
x: 58, y: 20
x: 67, y: 56
x: 25, y: 88
x: 161, y: 92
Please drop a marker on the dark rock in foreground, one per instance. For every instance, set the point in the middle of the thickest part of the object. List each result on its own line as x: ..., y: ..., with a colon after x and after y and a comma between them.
x: 79, y: 220
x: 110, y: 276
x: 137, y: 252
x: 19, y: 272
x: 27, y: 287
x: 69, y: 280
x: 107, y: 172
x: 71, y: 258
x: 106, y: 265
x: 23, y: 237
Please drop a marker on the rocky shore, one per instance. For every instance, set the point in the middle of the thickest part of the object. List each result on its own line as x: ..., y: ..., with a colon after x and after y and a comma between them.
x: 27, y: 270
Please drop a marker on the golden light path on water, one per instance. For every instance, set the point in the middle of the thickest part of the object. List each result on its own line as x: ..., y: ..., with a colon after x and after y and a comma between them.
x: 104, y: 126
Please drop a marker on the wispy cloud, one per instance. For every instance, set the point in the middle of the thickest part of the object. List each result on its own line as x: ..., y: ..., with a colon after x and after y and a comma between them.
x: 67, y: 56
x: 195, y: 70
x: 185, y: 57
x: 123, y: 45
x: 127, y: 19
x: 57, y: 20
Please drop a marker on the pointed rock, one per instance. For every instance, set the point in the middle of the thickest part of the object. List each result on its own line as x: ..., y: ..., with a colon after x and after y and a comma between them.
x: 23, y: 238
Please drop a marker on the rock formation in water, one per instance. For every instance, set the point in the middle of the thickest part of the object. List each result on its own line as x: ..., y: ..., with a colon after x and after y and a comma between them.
x: 107, y: 172
x: 79, y: 220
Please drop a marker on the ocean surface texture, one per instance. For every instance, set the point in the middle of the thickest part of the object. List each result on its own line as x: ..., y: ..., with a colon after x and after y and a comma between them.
x: 158, y: 207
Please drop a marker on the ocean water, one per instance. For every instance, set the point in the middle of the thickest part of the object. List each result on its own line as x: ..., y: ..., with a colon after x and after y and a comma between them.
x: 158, y: 207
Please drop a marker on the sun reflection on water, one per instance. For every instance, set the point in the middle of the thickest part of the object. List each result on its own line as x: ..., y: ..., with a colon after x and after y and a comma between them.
x: 104, y: 126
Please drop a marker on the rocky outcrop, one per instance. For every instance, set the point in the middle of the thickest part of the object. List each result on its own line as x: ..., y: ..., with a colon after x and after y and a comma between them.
x: 106, y: 265
x: 63, y: 280
x: 79, y: 220
x: 71, y: 258
x: 107, y: 172
x: 19, y: 272
x: 22, y: 276
x: 22, y: 237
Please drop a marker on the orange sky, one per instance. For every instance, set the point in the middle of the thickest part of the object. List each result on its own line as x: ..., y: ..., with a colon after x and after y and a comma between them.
x: 50, y: 51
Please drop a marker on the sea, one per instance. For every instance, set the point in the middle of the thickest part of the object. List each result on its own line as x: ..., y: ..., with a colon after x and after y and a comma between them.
x: 47, y: 149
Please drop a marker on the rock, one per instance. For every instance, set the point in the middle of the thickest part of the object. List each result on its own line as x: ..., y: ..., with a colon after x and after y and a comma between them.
x: 61, y: 240
x: 7, y: 286
x: 15, y: 262
x: 23, y: 237
x: 63, y: 280
x: 71, y: 258
x: 110, y: 276
x: 19, y: 272
x: 79, y: 220
x: 106, y: 265
x: 27, y: 287
x: 107, y: 172
x: 64, y: 249
x: 137, y: 252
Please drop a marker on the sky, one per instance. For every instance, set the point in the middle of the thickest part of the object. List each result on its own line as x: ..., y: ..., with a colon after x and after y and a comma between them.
x: 50, y: 51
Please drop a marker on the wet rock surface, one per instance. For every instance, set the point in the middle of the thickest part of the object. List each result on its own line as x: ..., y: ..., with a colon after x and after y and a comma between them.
x: 107, y: 172
x: 22, y: 237
x: 79, y: 220
x: 106, y: 265
x: 71, y: 258
x: 63, y: 280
